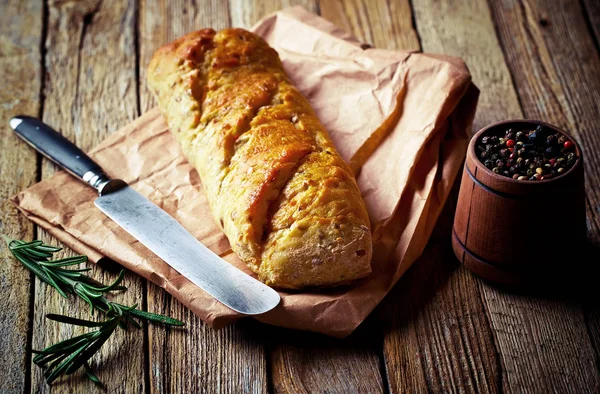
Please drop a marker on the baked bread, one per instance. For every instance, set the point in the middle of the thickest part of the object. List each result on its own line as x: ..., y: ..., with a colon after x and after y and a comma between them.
x: 287, y: 201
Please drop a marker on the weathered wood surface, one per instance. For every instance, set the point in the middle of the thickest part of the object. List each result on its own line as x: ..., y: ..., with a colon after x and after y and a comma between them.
x: 555, y: 66
x: 90, y: 91
x: 440, y: 330
x: 196, y: 358
x: 21, y: 79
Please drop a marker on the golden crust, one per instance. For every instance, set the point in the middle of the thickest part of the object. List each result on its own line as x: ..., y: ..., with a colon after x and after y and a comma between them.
x: 284, y: 197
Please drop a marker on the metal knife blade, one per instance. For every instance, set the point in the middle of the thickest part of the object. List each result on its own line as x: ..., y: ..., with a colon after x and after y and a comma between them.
x: 152, y: 226
x: 170, y: 241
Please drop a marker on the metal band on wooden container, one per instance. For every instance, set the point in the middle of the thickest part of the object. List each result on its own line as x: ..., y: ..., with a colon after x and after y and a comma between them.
x: 489, y: 189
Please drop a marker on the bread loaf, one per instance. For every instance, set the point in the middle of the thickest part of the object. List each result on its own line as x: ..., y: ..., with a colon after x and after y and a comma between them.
x: 285, y: 199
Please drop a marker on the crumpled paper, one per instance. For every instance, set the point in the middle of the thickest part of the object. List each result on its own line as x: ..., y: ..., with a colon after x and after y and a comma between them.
x: 408, y: 115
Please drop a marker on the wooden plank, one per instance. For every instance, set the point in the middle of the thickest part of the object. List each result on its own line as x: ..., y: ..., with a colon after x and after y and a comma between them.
x: 592, y: 13
x: 198, y: 358
x: 303, y: 362
x: 543, y: 344
x: 555, y: 66
x: 162, y: 21
x: 436, y: 337
x: 469, y: 34
x: 380, y: 23
x: 245, y: 13
x: 553, y: 56
x: 90, y: 91
x: 21, y: 28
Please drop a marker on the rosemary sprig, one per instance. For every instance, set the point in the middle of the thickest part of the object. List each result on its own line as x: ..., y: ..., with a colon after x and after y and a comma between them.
x: 68, y: 356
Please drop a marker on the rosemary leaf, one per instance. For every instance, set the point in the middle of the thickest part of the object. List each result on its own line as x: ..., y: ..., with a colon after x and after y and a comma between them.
x: 73, y: 320
x: 68, y: 356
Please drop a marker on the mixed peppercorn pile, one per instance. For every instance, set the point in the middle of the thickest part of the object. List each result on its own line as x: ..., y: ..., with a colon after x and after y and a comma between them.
x: 528, y: 154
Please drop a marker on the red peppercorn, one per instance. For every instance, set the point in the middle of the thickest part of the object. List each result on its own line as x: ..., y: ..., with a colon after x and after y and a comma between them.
x: 512, y: 156
x: 568, y: 145
x: 552, y: 161
x: 510, y: 143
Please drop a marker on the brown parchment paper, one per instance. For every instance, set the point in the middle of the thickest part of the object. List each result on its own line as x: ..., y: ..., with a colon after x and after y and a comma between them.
x: 404, y: 181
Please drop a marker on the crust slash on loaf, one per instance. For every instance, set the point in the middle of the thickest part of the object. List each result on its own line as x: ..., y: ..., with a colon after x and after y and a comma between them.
x: 283, y: 196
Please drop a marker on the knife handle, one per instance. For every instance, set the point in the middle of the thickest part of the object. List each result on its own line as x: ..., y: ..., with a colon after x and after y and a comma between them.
x: 60, y: 150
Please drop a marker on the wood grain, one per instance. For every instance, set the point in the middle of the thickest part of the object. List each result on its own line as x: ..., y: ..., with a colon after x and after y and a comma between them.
x: 592, y: 16
x: 526, y: 329
x: 440, y: 330
x: 465, y: 29
x: 437, y: 337
x: 312, y: 363
x: 245, y: 13
x: 198, y: 358
x: 380, y: 23
x: 20, y: 78
x: 555, y: 65
x: 90, y: 91
x: 162, y: 21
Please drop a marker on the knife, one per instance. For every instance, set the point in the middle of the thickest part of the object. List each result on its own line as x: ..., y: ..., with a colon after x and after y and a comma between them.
x: 150, y: 225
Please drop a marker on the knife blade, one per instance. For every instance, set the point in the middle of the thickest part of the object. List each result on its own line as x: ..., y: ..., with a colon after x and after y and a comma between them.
x: 149, y: 224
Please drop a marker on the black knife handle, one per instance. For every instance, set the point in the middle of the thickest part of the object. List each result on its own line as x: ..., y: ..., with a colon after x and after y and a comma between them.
x: 60, y: 150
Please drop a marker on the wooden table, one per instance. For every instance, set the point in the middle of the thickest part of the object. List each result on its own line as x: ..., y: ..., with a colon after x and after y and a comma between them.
x: 80, y: 65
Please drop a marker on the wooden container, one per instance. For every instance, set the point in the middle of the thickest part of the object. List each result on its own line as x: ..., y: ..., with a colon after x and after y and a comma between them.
x: 518, y: 232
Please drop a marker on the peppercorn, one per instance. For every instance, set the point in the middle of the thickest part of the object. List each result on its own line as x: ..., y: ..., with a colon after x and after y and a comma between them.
x: 515, y: 176
x: 532, y: 137
x: 496, y: 170
x: 539, y: 170
x: 510, y: 143
x: 485, y: 140
x: 568, y: 145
